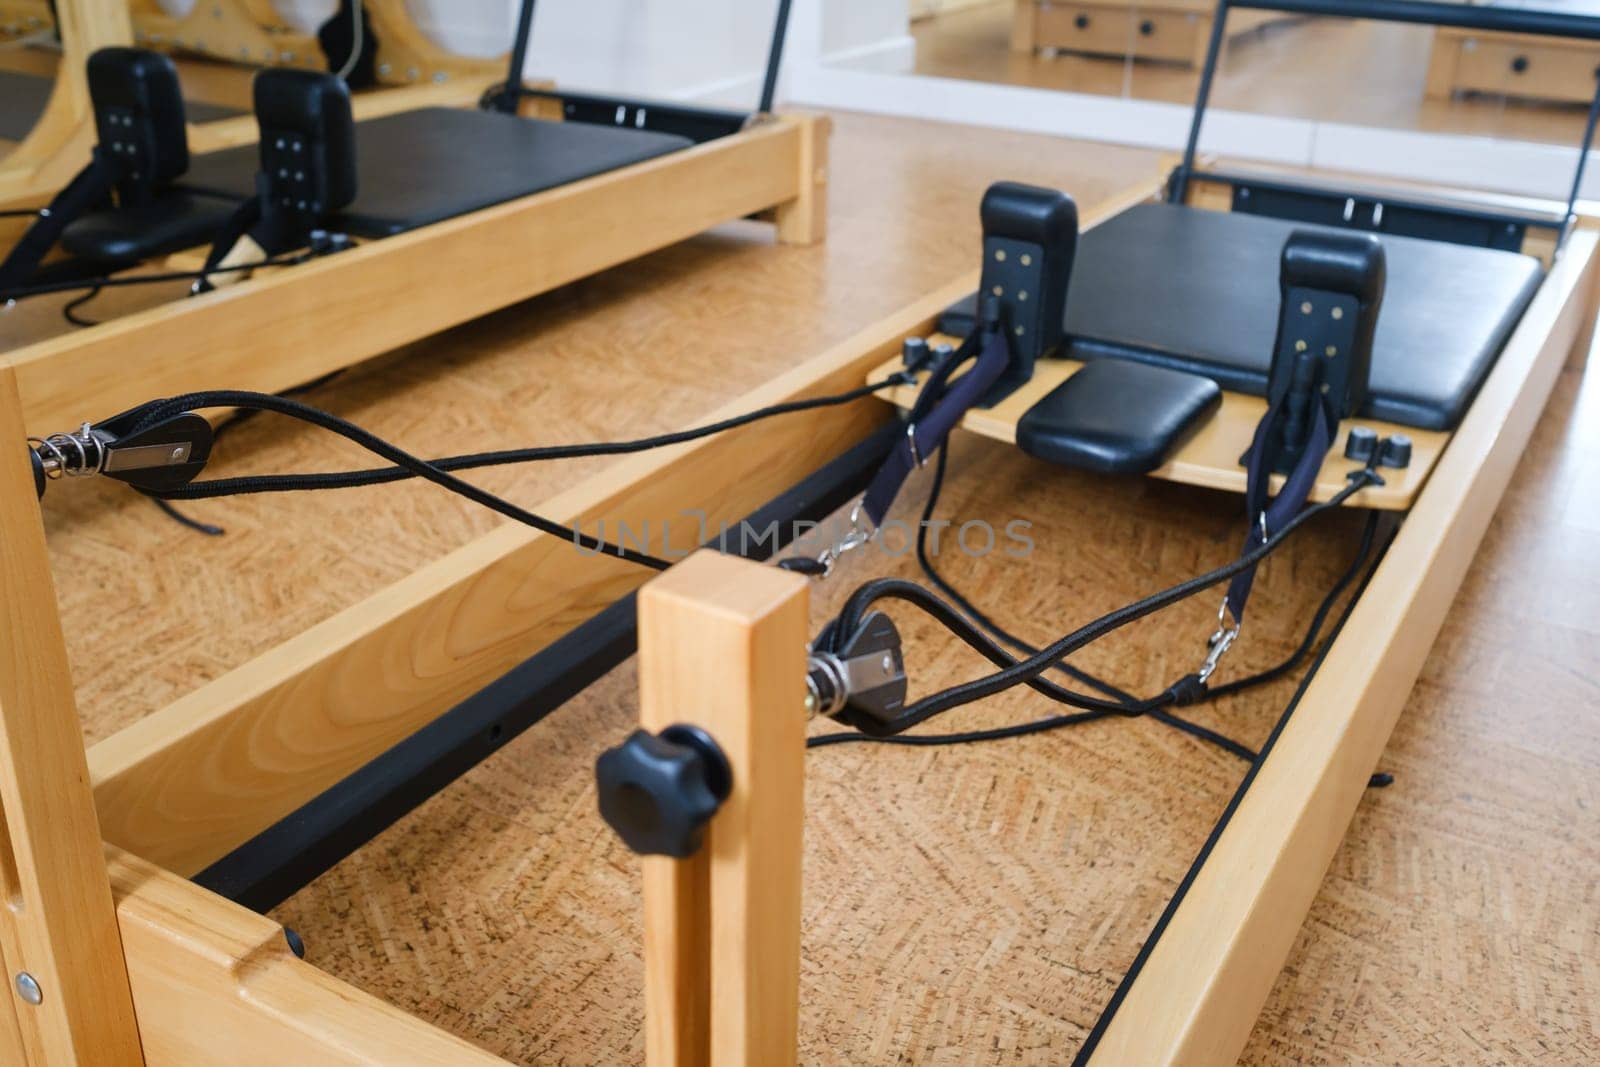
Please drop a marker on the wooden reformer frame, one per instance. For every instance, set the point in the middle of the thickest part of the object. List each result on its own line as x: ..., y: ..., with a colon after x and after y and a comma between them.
x: 197, y: 979
x: 1207, y: 968
x: 427, y: 280
x: 60, y: 140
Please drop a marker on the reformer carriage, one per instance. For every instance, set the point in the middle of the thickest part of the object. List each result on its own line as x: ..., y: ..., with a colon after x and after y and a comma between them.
x: 723, y: 649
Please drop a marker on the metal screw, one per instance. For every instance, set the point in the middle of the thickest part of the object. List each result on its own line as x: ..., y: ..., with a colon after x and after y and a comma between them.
x: 180, y: 453
x: 888, y: 662
x: 28, y: 989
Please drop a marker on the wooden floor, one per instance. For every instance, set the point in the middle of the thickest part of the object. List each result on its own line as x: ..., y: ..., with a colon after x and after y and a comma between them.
x: 965, y: 905
x: 1335, y: 70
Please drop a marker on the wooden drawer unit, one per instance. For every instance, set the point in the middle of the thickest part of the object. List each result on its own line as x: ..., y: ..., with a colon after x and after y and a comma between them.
x: 1120, y: 30
x: 1530, y: 67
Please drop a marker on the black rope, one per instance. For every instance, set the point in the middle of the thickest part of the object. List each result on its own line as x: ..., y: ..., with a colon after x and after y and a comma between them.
x: 229, y: 425
x: 1028, y: 671
x: 409, y: 466
x: 1313, y: 633
x: 925, y: 561
x: 160, y: 411
x: 23, y: 292
x: 281, y: 483
x: 181, y: 519
x: 69, y: 311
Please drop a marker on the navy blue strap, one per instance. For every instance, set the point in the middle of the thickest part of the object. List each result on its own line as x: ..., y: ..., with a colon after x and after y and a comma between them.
x: 938, y: 410
x: 1266, y: 517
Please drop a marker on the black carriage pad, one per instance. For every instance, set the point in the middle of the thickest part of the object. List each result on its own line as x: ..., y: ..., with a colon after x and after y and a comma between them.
x: 1118, y: 417
x: 1198, y: 291
x: 173, y: 221
x: 420, y: 167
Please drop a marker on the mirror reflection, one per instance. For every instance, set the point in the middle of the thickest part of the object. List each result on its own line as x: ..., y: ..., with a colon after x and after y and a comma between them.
x: 1326, y: 68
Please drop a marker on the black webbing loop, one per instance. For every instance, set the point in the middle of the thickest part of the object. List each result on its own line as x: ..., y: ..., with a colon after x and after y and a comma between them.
x: 1268, y: 516
x: 939, y: 409
x: 88, y: 190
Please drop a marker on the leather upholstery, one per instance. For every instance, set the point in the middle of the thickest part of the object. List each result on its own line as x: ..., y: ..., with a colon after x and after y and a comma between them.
x: 172, y: 221
x: 1198, y: 291
x: 1118, y: 417
x: 419, y: 167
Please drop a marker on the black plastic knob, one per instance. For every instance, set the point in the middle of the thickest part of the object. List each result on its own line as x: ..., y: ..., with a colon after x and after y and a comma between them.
x: 1361, y: 443
x: 1519, y: 65
x: 659, y: 792
x: 1082, y: 22
x: 1147, y: 28
x: 1395, y: 452
x: 914, y: 354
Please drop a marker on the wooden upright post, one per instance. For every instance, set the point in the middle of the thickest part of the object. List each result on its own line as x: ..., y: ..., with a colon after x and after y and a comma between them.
x: 722, y: 647
x: 804, y: 220
x: 58, y: 145
x: 64, y: 977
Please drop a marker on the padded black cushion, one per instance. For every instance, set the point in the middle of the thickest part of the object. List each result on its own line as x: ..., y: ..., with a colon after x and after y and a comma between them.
x: 174, y: 220
x: 1198, y: 290
x: 1117, y: 416
x: 424, y: 166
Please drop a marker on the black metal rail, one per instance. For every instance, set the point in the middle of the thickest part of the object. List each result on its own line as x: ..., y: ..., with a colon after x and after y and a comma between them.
x: 697, y: 123
x: 1464, y: 16
x: 284, y: 858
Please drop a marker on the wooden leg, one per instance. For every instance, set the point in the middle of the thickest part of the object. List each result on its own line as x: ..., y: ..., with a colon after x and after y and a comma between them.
x: 58, y: 928
x: 804, y: 220
x: 1442, y: 58
x: 722, y: 647
x: 1025, y: 26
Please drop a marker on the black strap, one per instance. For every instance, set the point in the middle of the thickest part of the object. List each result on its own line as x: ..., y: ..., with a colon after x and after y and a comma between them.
x: 84, y: 193
x: 1267, y: 517
x: 938, y: 410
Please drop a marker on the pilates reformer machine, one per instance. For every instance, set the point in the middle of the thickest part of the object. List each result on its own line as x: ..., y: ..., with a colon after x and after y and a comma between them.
x: 46, y: 114
x: 1326, y: 346
x: 1170, y: 31
x: 437, y: 214
x: 1210, y: 335
x: 1483, y: 58
x: 378, y: 44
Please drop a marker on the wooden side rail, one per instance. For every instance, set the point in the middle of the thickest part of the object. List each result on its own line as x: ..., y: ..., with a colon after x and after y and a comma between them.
x: 1198, y: 994
x: 214, y: 983
x: 722, y: 647
x: 292, y: 327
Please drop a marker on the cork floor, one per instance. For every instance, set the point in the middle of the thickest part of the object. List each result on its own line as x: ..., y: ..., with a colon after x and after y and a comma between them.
x: 964, y: 905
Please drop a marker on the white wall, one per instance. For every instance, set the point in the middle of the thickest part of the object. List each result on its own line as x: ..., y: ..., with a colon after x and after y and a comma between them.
x: 871, y: 34
x: 706, y: 50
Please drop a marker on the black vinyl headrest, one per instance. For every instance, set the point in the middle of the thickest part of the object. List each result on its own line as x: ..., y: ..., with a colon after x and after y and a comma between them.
x: 138, y: 115
x: 1351, y: 263
x: 1332, y: 287
x: 308, y: 139
x: 1030, y: 238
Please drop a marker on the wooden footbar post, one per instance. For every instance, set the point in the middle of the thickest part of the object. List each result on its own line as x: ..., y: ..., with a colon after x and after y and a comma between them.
x: 722, y: 648
x: 65, y: 980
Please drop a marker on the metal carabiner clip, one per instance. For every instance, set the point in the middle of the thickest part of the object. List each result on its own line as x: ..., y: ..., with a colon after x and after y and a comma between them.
x: 857, y: 535
x: 1218, y: 644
